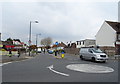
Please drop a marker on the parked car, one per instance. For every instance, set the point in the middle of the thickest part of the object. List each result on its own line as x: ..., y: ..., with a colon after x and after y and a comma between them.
x: 39, y: 50
x: 50, y: 51
x: 94, y: 54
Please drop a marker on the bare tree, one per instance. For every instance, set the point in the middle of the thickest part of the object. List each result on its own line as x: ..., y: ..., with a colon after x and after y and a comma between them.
x: 46, y: 41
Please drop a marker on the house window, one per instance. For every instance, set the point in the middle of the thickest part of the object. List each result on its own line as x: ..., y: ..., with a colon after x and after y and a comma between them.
x: 118, y: 36
x: 83, y: 42
x: 77, y: 42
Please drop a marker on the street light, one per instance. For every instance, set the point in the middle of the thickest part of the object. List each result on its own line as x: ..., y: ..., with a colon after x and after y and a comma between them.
x: 37, y: 38
x: 36, y: 41
x: 30, y: 34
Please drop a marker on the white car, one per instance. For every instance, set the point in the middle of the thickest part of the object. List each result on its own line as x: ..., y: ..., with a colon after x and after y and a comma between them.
x: 50, y: 51
x: 39, y: 50
x: 93, y: 54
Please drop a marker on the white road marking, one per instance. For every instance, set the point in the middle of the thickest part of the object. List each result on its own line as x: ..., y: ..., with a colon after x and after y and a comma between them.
x: 89, y: 68
x: 51, y: 68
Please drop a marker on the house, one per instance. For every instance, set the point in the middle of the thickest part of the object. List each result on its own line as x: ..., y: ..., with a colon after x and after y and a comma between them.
x: 59, y: 46
x: 71, y: 45
x: 85, y: 43
x: 62, y: 45
x: 71, y: 48
x: 0, y: 36
x: 108, y: 36
x: 119, y: 14
x: 14, y: 44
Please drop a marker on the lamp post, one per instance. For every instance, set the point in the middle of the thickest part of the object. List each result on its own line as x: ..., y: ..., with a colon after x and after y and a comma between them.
x: 37, y: 38
x: 30, y: 34
x: 36, y: 41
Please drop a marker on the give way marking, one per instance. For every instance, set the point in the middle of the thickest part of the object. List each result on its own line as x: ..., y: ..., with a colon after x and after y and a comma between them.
x: 51, y: 68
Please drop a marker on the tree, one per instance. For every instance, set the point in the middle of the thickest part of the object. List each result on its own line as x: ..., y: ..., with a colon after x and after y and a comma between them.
x: 33, y: 47
x: 17, y: 40
x: 46, y: 41
x: 9, y: 41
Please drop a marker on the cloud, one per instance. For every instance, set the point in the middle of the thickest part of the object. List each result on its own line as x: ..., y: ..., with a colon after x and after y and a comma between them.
x: 59, y: 0
x: 0, y: 17
x: 63, y: 21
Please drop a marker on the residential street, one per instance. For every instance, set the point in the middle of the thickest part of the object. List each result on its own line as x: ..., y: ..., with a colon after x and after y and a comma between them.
x: 47, y: 68
x: 60, y: 41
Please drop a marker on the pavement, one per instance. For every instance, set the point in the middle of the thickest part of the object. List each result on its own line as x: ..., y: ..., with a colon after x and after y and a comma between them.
x: 23, y: 56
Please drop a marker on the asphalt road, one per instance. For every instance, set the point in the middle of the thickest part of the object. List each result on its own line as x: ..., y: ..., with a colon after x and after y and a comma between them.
x: 36, y: 70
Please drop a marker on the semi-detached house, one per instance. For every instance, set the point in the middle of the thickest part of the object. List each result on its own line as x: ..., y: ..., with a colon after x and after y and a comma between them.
x: 108, y: 37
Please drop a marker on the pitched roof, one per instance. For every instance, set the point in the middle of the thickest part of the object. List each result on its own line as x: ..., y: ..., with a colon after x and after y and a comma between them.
x: 61, y: 44
x: 114, y: 25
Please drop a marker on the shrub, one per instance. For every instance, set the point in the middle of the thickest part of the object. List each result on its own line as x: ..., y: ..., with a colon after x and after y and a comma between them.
x: 2, y: 50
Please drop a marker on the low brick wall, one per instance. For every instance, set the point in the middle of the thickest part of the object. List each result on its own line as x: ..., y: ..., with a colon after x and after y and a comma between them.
x: 108, y: 50
x: 72, y: 50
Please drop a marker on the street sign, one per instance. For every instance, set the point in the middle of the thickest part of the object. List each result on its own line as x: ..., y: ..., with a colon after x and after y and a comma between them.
x: 56, y: 43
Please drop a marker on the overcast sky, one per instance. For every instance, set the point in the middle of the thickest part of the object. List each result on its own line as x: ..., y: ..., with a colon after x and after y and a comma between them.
x: 62, y: 21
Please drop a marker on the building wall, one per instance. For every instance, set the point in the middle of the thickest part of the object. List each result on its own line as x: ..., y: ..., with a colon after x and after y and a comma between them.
x: 81, y: 44
x: 86, y: 43
x: 89, y: 43
x: 119, y: 11
x: 108, y: 50
x: 72, y: 50
x: 106, y: 36
x: 0, y: 36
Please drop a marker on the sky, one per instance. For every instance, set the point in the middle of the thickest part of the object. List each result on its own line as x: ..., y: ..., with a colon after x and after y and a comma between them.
x: 63, y: 21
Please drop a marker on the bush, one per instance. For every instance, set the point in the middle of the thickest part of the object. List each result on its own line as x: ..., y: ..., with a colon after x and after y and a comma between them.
x: 13, y: 49
x: 33, y: 51
x: 2, y: 50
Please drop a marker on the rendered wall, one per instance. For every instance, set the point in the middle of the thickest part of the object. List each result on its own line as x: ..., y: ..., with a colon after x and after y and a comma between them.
x: 106, y: 36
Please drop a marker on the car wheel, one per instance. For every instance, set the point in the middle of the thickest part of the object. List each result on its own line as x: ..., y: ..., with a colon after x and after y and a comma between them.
x: 93, y: 59
x: 81, y: 57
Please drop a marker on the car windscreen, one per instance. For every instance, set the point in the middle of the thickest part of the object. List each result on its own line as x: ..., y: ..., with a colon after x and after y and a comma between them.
x: 96, y: 50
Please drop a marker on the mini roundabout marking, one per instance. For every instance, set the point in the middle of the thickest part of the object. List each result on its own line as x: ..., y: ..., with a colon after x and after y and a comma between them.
x: 89, y: 68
